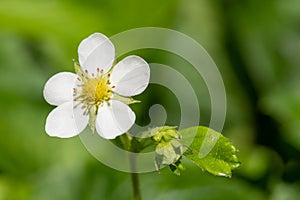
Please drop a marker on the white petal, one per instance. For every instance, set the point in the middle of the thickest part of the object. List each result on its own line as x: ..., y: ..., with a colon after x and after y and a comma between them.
x: 59, y: 88
x: 114, y: 120
x: 65, y: 122
x: 130, y: 76
x: 96, y: 51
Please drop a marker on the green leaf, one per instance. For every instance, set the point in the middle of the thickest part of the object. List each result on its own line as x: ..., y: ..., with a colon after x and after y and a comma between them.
x: 210, y: 150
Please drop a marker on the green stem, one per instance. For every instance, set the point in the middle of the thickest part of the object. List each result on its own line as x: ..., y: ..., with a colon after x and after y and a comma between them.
x: 136, y: 186
x: 135, y: 180
x: 126, y: 142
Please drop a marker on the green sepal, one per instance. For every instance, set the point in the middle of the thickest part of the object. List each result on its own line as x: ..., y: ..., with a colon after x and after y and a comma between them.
x: 77, y: 68
x: 210, y: 150
x: 125, y: 100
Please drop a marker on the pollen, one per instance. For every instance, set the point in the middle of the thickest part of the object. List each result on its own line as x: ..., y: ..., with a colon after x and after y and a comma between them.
x: 96, y: 90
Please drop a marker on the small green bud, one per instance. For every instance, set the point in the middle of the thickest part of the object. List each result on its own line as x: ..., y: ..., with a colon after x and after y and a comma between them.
x: 165, y: 133
x: 168, y: 149
x: 157, y: 137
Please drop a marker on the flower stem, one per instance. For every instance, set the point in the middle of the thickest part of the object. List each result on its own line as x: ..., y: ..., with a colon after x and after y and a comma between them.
x: 126, y: 142
x: 136, y: 186
x: 135, y: 180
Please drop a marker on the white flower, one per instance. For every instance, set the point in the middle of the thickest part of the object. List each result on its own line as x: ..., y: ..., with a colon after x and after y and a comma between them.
x: 98, y: 94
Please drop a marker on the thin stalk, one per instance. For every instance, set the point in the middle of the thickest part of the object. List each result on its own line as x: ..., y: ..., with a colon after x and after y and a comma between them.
x: 126, y: 141
x: 135, y: 180
x: 136, y: 186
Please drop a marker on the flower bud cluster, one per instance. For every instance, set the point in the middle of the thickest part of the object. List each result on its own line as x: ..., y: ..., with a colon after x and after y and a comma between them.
x: 168, y: 148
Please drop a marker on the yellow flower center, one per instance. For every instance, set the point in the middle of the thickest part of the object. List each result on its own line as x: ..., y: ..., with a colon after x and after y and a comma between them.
x: 94, y: 90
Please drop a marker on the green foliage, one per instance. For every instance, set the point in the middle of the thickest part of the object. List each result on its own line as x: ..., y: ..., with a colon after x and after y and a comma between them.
x: 211, y: 151
x: 208, y: 149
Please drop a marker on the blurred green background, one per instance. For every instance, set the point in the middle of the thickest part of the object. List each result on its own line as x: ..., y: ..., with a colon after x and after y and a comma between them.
x: 256, y: 46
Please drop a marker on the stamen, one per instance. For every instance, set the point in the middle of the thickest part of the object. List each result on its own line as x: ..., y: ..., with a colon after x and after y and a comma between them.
x: 113, y: 86
x: 95, y: 89
x: 86, y: 112
x: 75, y: 106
